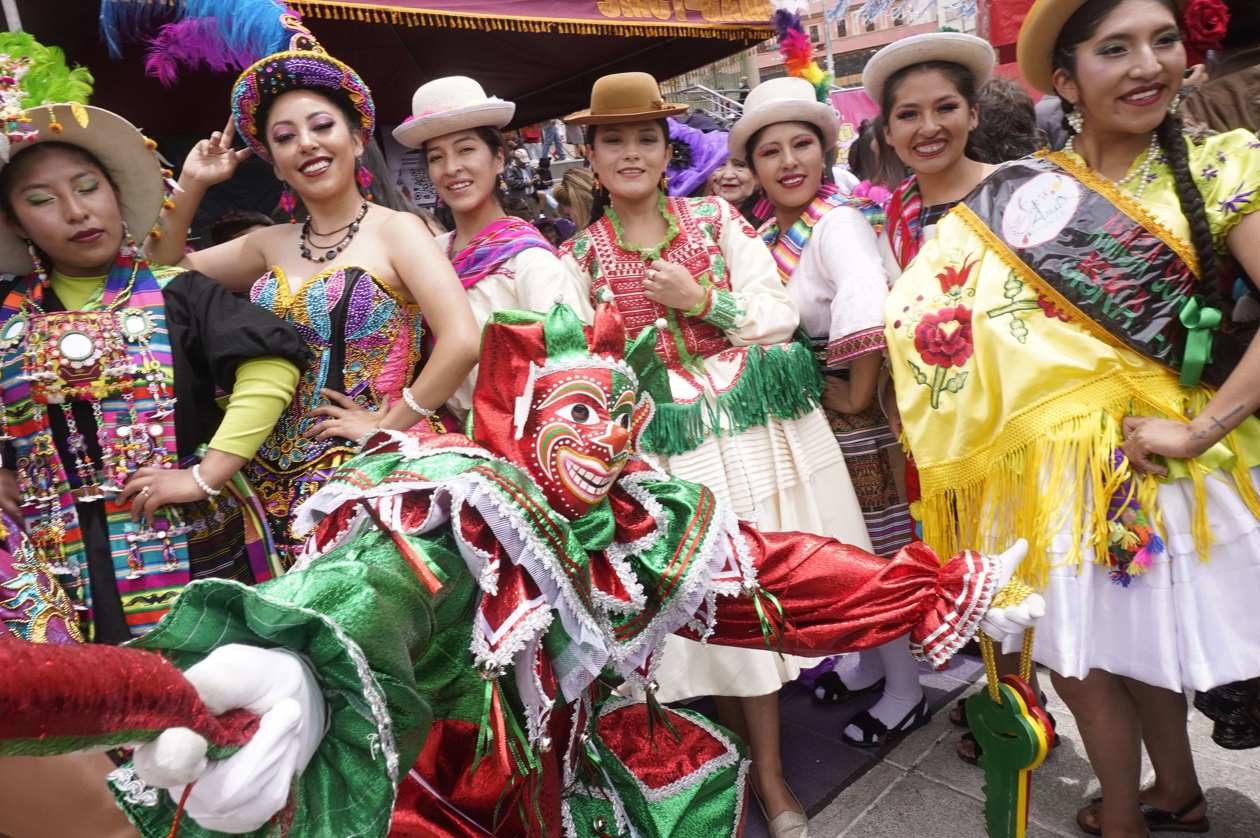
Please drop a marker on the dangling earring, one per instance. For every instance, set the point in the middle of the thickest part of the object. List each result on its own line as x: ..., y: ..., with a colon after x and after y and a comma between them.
x: 363, y: 177
x: 288, y: 203
x: 664, y: 184
x: 128, y: 248
x: 1175, y: 104
x: 1075, y: 121
x: 37, y: 264
x: 503, y: 187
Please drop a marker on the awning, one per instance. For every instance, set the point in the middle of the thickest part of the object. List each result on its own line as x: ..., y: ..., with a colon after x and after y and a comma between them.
x: 542, y: 55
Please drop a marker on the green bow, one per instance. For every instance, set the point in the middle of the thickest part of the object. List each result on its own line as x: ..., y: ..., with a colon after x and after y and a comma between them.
x: 1200, y: 321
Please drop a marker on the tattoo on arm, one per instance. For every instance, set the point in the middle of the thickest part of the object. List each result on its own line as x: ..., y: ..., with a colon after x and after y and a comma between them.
x: 1218, y: 423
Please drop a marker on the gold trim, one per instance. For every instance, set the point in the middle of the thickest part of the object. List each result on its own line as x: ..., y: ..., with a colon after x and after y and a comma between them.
x: 1126, y: 204
x: 378, y: 13
x: 1008, y: 257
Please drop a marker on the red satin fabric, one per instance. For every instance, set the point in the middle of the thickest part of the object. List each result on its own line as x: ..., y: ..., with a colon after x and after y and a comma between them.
x: 85, y: 691
x: 657, y: 759
x: 838, y: 598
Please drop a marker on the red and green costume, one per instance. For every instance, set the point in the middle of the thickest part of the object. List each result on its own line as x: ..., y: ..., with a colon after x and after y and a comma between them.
x: 468, y: 603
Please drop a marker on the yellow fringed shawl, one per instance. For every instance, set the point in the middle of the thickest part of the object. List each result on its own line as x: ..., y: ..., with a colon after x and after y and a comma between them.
x: 1012, y: 406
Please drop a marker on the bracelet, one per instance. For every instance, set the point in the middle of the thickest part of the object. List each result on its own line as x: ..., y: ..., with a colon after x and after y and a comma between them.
x: 201, y: 484
x: 415, y: 406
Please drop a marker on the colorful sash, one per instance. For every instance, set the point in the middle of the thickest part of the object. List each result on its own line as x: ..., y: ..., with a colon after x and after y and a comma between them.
x: 118, y: 358
x: 1102, y: 260
x: 787, y: 248
x: 905, y: 227
x: 493, y: 246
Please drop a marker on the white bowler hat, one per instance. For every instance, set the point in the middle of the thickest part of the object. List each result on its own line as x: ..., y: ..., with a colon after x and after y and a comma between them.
x: 450, y: 104
x: 787, y: 99
x: 971, y: 52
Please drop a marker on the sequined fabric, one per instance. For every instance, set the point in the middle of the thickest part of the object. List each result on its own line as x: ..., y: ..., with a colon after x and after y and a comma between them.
x: 366, y: 343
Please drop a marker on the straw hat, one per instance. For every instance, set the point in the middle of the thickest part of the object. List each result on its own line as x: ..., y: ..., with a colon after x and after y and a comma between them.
x: 128, y: 156
x: 625, y: 97
x: 787, y: 99
x: 971, y: 52
x: 1035, y: 48
x: 446, y: 105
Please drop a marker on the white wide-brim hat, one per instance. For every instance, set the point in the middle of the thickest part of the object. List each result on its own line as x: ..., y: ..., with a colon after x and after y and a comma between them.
x: 788, y: 99
x: 446, y: 105
x: 971, y: 52
x: 128, y: 156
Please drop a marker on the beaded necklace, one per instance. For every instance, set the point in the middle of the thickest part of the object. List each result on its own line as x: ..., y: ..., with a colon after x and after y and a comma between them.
x: 1145, y: 174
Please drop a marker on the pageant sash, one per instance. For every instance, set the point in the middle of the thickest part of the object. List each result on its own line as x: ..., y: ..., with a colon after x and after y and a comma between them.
x: 1103, y: 260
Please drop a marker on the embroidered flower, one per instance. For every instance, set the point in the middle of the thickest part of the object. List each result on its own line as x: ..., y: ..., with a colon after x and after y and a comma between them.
x: 1210, y: 173
x: 944, y: 338
x: 1238, y: 202
x: 1050, y: 309
x: 952, y: 277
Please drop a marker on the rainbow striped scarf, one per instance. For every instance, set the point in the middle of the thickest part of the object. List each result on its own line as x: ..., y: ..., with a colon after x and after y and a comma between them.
x: 786, y: 248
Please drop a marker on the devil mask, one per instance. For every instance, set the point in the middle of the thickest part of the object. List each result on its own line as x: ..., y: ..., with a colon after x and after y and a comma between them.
x: 560, y: 401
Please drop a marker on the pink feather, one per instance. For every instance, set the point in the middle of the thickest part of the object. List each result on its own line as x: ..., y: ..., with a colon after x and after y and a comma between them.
x: 193, y: 43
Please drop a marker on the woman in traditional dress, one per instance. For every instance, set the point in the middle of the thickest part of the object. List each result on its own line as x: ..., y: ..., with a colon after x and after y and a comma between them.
x: 354, y: 278
x: 745, y: 419
x: 827, y: 256
x: 117, y: 460
x: 928, y: 89
x: 502, y: 261
x: 1040, y: 395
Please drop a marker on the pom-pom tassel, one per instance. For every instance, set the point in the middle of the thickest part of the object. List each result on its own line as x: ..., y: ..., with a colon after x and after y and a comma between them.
x: 363, y: 177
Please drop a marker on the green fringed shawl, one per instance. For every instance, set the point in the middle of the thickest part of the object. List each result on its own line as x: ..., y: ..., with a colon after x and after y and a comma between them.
x: 779, y: 381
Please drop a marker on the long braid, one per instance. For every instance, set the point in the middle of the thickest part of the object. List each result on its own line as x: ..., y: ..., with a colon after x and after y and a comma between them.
x: 1173, y: 142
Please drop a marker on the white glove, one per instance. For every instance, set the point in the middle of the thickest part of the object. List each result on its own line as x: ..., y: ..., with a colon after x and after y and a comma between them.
x: 1001, y: 623
x: 241, y: 793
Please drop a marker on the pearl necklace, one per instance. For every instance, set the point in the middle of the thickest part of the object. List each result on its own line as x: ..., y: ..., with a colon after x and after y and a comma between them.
x: 1145, y: 176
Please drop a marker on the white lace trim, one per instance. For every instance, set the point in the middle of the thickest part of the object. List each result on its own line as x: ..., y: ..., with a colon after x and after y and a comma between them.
x: 729, y: 757
x: 968, y: 610
x: 132, y: 788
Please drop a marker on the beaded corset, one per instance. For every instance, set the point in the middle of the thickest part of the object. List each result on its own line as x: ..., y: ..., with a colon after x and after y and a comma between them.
x: 366, y: 342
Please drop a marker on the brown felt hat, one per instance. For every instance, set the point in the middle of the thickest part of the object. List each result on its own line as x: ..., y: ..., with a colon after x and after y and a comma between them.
x: 625, y: 97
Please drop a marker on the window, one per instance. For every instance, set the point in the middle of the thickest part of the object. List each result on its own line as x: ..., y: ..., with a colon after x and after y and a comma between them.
x: 870, y: 26
x: 813, y: 34
x: 842, y: 27
x: 897, y: 20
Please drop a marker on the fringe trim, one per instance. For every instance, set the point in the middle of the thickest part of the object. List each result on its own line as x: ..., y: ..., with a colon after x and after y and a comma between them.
x: 393, y: 15
x: 1053, y: 466
x: 778, y: 382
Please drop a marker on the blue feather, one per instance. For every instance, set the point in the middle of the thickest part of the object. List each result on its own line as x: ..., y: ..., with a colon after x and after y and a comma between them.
x: 247, y: 27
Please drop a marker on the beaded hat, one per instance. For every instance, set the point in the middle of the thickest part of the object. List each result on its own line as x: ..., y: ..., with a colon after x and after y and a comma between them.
x: 44, y: 100
x: 231, y: 34
x: 304, y: 66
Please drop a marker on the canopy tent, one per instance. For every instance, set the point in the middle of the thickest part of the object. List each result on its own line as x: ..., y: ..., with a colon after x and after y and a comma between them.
x: 542, y: 54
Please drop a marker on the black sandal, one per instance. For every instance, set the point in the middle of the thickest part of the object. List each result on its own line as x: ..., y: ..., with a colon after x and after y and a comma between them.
x: 958, y: 714
x: 876, y: 733
x: 1157, y: 820
x: 829, y: 689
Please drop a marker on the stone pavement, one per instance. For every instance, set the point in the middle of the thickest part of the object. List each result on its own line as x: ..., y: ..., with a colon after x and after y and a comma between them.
x: 919, y: 789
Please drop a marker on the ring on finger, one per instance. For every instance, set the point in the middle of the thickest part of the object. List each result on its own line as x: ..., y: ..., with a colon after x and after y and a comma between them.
x: 146, y: 491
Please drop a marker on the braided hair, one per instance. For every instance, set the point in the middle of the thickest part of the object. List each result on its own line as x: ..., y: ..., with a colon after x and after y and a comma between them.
x: 1082, y: 26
